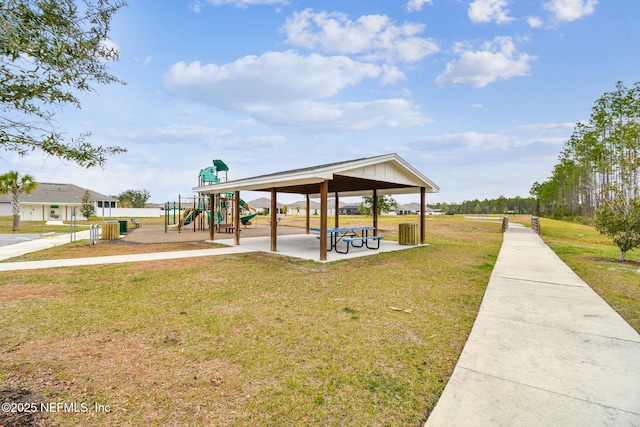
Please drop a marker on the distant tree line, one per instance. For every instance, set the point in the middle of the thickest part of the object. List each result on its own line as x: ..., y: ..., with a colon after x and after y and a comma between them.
x: 502, y: 205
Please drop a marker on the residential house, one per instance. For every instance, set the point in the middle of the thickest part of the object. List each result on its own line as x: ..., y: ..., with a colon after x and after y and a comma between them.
x: 55, y: 202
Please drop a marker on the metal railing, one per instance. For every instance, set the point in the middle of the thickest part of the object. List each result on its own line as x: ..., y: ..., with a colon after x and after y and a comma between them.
x: 94, y: 234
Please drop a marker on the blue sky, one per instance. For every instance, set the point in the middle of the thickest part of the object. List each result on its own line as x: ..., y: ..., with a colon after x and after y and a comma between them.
x: 480, y: 96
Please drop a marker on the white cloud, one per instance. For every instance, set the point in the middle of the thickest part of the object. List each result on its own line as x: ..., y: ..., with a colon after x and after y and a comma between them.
x: 534, y: 22
x: 416, y: 5
x: 374, y: 36
x: 168, y: 134
x: 197, y: 5
x: 562, y: 128
x: 272, y: 78
x: 476, y: 153
x: 464, y: 140
x: 251, y: 142
x: 329, y: 117
x: 571, y: 10
x: 247, y: 122
x: 108, y: 44
x: 145, y: 61
x: 495, y: 60
x: 485, y: 11
x: 288, y: 90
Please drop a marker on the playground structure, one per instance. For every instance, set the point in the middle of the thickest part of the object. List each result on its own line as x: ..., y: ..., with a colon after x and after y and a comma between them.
x: 196, y: 211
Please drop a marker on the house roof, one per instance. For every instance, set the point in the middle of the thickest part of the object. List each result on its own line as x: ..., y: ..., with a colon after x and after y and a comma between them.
x: 54, y: 193
x: 314, y: 204
x: 263, y: 203
x: 388, y: 174
x: 409, y: 207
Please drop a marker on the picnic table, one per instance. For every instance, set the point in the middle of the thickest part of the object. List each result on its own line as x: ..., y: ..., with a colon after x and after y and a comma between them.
x: 357, y: 237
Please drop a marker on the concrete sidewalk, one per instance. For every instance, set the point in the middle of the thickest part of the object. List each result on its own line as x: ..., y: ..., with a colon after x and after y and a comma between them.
x: 18, y: 249
x: 545, y: 350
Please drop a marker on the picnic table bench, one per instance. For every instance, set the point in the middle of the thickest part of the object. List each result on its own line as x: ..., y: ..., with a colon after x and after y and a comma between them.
x: 364, y: 241
x: 349, y: 235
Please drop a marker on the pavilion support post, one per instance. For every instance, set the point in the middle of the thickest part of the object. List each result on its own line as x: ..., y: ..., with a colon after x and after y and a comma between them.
x: 337, y: 211
x: 274, y: 220
x: 307, y: 209
x: 236, y: 217
x: 324, y: 193
x: 212, y: 223
x: 375, y: 212
x: 422, y: 212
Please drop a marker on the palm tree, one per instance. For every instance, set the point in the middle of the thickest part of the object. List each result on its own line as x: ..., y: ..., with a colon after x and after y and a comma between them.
x: 12, y: 182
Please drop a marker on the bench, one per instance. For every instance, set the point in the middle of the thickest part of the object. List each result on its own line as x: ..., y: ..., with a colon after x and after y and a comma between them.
x: 348, y: 234
x: 135, y: 223
x: 364, y: 241
x: 229, y: 228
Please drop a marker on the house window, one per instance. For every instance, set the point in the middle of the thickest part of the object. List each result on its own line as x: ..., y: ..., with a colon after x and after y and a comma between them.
x: 54, y: 212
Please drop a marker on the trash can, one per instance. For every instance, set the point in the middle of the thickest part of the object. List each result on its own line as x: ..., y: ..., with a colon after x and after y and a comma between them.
x: 110, y: 230
x: 123, y: 227
x: 408, y: 234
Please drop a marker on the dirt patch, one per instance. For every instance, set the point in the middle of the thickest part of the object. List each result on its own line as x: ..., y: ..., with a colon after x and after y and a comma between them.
x: 14, y: 293
x: 628, y: 263
x: 21, y: 407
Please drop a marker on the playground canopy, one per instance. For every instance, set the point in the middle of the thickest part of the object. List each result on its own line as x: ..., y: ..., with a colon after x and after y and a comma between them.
x: 371, y: 176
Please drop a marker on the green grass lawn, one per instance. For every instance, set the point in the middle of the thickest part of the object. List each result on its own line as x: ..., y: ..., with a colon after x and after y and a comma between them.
x: 41, y: 227
x: 251, y: 339
x: 260, y: 339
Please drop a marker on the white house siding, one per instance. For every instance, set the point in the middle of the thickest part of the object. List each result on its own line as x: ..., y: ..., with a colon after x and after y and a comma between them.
x: 5, y: 209
x: 40, y: 212
x: 131, y: 212
x: 63, y: 212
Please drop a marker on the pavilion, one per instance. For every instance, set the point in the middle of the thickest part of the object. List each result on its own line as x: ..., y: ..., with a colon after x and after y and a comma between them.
x: 373, y: 176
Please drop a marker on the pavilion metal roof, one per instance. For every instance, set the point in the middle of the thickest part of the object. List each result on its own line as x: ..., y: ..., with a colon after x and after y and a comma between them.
x: 388, y: 174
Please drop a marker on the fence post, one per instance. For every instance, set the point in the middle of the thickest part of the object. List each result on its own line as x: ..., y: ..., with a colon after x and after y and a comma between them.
x: 505, y: 224
x: 535, y: 225
x: 94, y: 231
